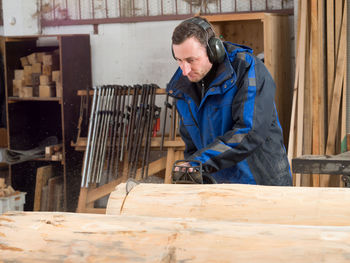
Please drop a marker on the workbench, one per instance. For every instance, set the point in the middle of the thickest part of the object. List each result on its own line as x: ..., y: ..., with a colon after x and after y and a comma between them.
x: 324, y: 164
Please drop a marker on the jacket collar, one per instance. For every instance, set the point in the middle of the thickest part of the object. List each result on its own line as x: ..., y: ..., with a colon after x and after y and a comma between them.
x: 180, y: 84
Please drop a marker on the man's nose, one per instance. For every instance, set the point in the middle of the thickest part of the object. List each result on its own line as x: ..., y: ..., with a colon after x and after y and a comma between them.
x: 186, y: 68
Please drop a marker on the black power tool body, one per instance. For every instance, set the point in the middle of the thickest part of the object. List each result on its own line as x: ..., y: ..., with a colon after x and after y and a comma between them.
x: 193, y: 174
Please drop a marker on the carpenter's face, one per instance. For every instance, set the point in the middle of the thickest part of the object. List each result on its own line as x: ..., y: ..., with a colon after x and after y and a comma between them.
x: 193, y: 59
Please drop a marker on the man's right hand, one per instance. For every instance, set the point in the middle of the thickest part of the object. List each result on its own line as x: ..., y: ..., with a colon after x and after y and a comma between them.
x: 184, y: 164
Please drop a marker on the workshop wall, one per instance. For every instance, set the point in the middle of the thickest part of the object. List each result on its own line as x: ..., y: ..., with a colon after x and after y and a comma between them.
x: 121, y: 53
x: 133, y: 53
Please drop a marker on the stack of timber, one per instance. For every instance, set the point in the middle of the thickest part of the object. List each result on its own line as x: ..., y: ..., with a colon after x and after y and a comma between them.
x: 194, y: 223
x: 39, y: 76
x: 6, y: 190
x: 318, y: 111
x: 48, y: 189
x: 54, y: 152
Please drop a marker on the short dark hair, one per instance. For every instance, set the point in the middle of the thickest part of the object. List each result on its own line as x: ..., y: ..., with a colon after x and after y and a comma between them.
x: 186, y: 30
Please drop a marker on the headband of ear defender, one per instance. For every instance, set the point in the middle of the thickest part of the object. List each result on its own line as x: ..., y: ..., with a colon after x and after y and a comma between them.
x: 215, y: 47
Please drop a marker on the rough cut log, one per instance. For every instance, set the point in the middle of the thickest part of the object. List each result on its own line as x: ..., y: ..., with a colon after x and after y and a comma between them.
x: 235, y: 202
x: 68, y: 237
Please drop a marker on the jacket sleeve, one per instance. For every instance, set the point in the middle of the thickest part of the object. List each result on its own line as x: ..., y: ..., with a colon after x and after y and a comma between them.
x: 190, y: 147
x: 253, y: 113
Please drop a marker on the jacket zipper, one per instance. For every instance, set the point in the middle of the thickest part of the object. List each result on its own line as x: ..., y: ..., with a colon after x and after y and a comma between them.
x: 194, y: 120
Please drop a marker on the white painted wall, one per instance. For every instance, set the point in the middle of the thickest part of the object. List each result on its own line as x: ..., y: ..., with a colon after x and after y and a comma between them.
x: 135, y: 53
x: 20, y: 17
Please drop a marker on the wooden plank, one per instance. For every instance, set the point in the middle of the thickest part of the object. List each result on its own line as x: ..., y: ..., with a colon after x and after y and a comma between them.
x: 44, y: 203
x: 42, y: 176
x: 305, y: 179
x: 178, y: 143
x: 235, y: 203
x: 170, y: 159
x: 235, y: 17
x: 58, y: 201
x: 344, y: 94
x: 247, y: 32
x: 301, y: 83
x: 97, y: 193
x: 276, y: 41
x: 292, y: 129
x: 153, y: 167
x: 315, y: 81
x: 322, y: 84
x: 293, y: 122
x: 330, y: 53
x: 52, y: 184
x: 338, y: 15
x: 81, y: 207
x: 73, y: 237
x: 335, y: 106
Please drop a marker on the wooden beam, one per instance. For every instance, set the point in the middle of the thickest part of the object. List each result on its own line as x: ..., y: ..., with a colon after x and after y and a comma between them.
x: 73, y: 237
x: 235, y: 203
x: 101, y: 191
x: 155, y: 143
x: 154, y: 167
x: 236, y: 17
x: 170, y: 159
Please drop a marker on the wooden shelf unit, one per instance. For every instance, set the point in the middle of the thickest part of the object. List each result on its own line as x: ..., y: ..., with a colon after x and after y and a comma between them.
x: 31, y: 120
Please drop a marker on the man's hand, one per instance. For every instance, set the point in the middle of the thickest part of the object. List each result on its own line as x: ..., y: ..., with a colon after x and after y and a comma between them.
x: 185, y: 164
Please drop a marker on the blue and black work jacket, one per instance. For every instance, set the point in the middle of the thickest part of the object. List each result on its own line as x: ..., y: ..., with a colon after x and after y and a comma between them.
x: 234, y: 129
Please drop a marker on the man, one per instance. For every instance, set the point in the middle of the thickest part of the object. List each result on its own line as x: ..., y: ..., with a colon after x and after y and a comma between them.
x: 225, y: 99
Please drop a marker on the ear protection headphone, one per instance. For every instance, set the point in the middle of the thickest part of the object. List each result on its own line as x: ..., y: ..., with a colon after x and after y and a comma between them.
x: 215, y: 47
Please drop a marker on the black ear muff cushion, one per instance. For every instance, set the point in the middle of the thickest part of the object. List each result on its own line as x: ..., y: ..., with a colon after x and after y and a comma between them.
x: 216, y: 50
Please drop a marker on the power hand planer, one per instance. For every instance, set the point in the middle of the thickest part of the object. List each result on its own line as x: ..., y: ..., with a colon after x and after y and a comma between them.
x: 193, y: 174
